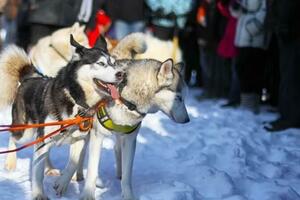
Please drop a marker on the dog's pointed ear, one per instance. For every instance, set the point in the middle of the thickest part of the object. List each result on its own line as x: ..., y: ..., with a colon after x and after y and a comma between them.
x: 180, y: 67
x: 75, y: 44
x: 75, y: 27
x: 79, y: 49
x: 101, y: 43
x: 82, y: 28
x: 165, y: 73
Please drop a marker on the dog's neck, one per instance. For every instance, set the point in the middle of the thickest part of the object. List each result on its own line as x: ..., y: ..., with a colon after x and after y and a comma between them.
x: 120, y: 114
x: 68, y: 78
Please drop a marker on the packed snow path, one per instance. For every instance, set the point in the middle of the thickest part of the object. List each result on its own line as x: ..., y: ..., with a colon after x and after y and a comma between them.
x: 221, y: 154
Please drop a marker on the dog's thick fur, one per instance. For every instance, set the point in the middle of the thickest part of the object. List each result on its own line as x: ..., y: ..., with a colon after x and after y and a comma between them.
x: 13, y: 62
x: 53, y: 52
x: 40, y: 99
x: 151, y: 86
x: 48, y: 60
x: 160, y: 50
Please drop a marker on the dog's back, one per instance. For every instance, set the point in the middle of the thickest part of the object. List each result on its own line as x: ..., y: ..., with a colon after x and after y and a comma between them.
x: 53, y: 52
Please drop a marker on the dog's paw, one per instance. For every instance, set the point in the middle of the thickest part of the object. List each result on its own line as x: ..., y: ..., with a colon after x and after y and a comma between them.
x: 128, y: 196
x: 52, y: 172
x: 87, y: 196
x: 61, y: 186
x: 78, y: 177
x: 99, y: 183
x: 10, y: 163
x: 40, y: 197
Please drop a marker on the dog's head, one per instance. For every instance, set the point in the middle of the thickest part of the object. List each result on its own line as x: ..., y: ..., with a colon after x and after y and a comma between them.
x: 152, y: 86
x: 95, y: 65
x: 169, y: 98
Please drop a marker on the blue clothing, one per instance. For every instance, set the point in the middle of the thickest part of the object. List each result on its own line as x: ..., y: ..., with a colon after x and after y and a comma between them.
x: 123, y: 28
x: 178, y: 7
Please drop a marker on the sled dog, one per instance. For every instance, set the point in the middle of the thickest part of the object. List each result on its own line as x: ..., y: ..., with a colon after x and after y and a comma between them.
x: 35, y: 98
x: 149, y: 86
x: 53, y: 52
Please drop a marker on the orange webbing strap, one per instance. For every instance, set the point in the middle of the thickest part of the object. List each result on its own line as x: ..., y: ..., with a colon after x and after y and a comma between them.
x: 84, y: 123
x: 40, y: 139
x: 17, y: 127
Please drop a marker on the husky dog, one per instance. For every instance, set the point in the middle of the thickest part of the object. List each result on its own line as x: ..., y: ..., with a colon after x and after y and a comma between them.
x: 38, y: 99
x: 160, y: 49
x: 53, y: 52
x: 150, y: 86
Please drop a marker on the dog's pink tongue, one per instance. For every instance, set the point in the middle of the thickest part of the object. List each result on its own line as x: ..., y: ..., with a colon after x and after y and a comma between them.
x: 113, y: 91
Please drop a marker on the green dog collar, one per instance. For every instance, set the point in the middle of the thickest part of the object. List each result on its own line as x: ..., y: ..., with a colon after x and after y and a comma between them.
x: 107, y: 122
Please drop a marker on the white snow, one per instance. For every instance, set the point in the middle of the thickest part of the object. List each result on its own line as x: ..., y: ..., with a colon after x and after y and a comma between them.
x: 221, y: 154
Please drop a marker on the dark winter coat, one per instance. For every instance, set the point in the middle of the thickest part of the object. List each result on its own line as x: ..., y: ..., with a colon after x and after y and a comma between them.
x: 54, y: 12
x: 287, y: 16
x: 126, y: 10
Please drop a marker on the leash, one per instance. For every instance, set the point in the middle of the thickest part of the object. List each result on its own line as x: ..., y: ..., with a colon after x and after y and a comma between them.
x: 78, y: 120
x: 58, y: 52
x: 84, y: 124
x: 39, y: 140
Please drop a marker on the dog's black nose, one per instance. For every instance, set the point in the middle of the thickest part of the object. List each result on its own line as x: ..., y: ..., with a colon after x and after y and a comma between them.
x: 120, y: 75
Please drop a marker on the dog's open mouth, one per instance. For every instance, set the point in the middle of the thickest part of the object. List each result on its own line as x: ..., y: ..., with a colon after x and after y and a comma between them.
x: 110, y: 88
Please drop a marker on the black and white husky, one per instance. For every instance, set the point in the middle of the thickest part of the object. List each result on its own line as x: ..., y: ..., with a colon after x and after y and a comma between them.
x: 38, y: 99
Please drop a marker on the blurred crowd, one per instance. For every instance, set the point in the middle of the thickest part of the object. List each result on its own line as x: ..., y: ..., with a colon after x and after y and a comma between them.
x: 247, y: 51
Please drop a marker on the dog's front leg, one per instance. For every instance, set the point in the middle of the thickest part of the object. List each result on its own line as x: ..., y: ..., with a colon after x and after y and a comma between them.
x: 11, y: 159
x: 79, y: 173
x: 49, y: 169
x: 128, y: 145
x: 95, y: 147
x: 38, y: 166
x: 61, y: 184
x: 118, y: 156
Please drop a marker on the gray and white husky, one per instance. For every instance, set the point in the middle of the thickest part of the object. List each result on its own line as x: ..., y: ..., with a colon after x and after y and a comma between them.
x: 150, y: 86
x: 38, y: 99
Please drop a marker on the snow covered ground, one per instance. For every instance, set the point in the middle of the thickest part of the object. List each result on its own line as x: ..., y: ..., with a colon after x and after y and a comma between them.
x: 221, y: 154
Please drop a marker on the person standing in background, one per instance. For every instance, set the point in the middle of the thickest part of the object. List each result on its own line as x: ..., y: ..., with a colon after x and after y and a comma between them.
x: 9, y: 22
x: 190, y: 49
x: 227, y: 50
x: 252, y: 42
x: 287, y: 28
x: 168, y: 16
x: 128, y: 16
x: 215, y: 73
x: 46, y: 16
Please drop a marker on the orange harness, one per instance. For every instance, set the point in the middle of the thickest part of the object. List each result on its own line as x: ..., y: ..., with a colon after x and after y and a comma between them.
x: 83, y: 123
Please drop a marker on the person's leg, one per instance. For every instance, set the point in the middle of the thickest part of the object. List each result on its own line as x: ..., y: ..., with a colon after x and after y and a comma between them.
x: 190, y: 51
x: 249, y: 75
x: 121, y: 29
x: 289, y: 96
x: 222, y: 77
x: 205, y: 72
x: 234, y: 91
x: 11, y: 30
x: 138, y: 26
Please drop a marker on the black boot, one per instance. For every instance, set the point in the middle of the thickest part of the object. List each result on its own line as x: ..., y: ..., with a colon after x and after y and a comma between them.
x: 280, y: 125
